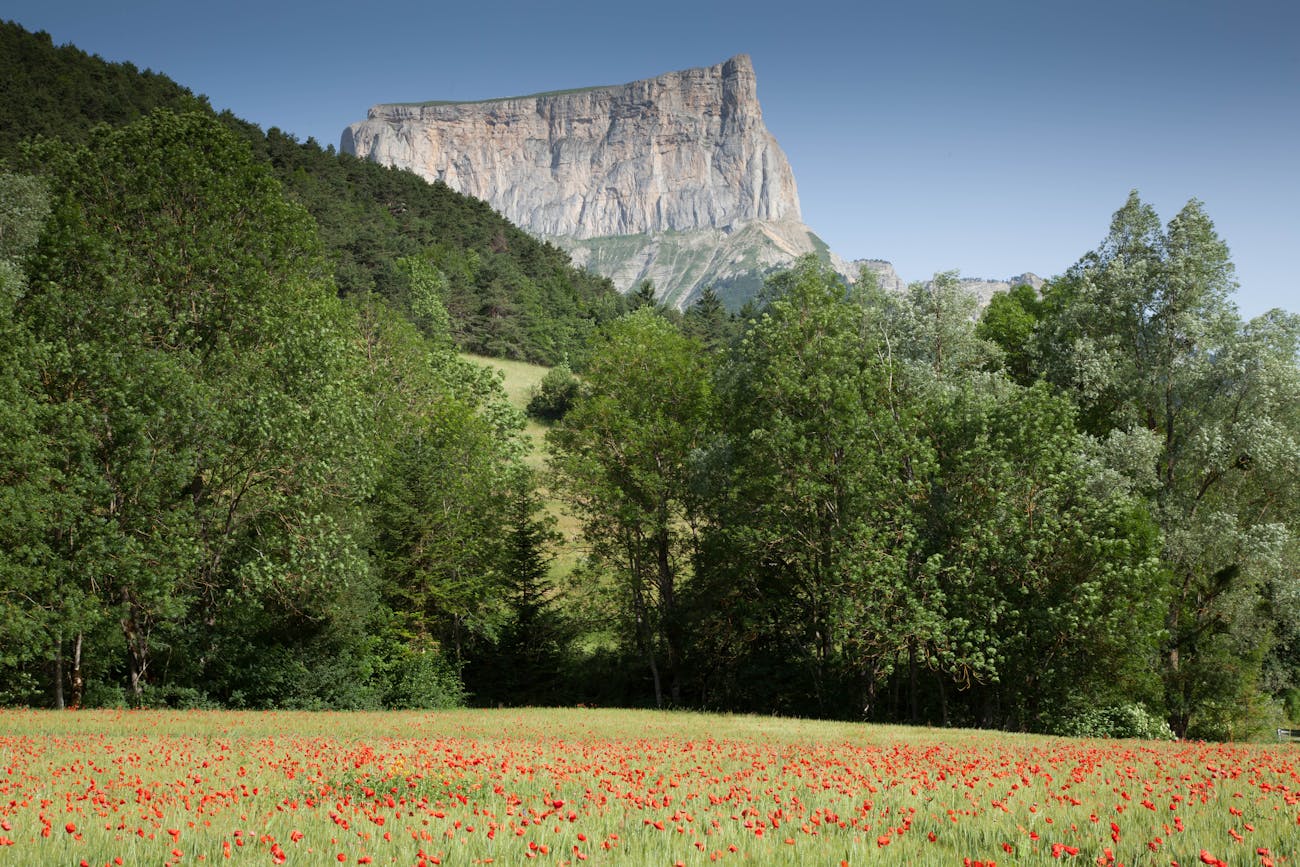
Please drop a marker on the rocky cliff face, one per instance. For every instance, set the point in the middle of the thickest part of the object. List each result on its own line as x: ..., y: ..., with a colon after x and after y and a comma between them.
x: 683, y: 151
x: 673, y: 179
x: 734, y: 261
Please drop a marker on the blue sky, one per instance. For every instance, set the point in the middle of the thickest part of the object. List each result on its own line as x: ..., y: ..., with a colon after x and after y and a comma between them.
x: 989, y: 137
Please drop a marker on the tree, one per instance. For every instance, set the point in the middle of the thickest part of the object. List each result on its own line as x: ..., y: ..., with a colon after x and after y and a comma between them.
x: 1046, y: 567
x: 451, y: 488
x: 643, y: 296
x: 554, y: 396
x: 622, y: 458
x: 892, y: 515
x: 807, y: 556
x: 203, y: 380
x: 707, y: 321
x: 1009, y: 321
x: 1143, y: 335
x: 30, y: 600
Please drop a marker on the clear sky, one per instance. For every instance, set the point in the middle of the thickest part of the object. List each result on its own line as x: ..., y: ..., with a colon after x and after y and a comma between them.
x: 991, y: 137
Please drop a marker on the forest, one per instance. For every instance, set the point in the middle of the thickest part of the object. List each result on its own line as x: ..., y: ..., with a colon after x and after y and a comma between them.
x: 244, y: 462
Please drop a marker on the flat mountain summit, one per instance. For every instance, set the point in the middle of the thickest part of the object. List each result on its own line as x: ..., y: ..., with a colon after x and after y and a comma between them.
x: 673, y: 179
x: 682, y: 151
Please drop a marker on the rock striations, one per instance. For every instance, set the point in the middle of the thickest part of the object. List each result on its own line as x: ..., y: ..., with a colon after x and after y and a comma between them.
x: 673, y: 179
x: 687, y: 150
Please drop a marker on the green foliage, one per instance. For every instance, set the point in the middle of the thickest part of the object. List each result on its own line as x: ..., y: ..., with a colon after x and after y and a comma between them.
x: 814, y: 517
x: 422, y: 679
x: 644, y: 295
x: 708, y: 322
x: 1291, y: 706
x: 61, y: 92
x: 622, y: 458
x: 200, y: 375
x: 449, y: 459
x: 1142, y: 334
x: 554, y: 395
x: 1009, y: 321
x: 1116, y: 721
x: 507, y: 293
x: 29, y: 494
x: 891, y: 514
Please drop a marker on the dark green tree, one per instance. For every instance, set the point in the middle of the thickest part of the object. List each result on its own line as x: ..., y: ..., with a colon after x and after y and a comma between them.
x: 1009, y: 321
x: 622, y: 458
x: 708, y: 322
x: 33, y: 608
x: 205, y: 386
x: 555, y: 394
x: 809, y: 558
x: 643, y: 295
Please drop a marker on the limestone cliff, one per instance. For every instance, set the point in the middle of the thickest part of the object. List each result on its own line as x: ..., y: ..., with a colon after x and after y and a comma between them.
x: 683, y: 151
x: 983, y: 289
x: 673, y: 179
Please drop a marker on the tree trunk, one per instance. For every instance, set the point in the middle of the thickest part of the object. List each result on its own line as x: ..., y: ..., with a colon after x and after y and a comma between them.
x: 57, y: 664
x: 641, y: 612
x: 943, y: 699
x: 669, y: 626
x: 913, y: 692
x: 137, y: 648
x: 78, y: 678
x: 895, y: 681
x: 867, y: 697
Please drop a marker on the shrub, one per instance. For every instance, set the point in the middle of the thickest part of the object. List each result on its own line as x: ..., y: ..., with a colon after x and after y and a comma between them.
x: 423, y: 680
x: 554, y: 395
x: 1128, y: 720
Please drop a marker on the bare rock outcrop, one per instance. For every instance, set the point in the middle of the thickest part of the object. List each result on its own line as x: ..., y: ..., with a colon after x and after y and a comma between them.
x: 682, y: 151
x: 673, y: 179
x: 982, y: 288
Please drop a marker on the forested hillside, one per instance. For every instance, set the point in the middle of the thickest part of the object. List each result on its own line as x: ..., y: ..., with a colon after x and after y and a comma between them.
x: 508, y: 294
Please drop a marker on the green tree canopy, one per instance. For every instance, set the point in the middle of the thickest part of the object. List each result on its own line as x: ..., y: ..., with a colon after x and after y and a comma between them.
x: 623, y: 458
x: 205, y: 379
x: 1143, y: 335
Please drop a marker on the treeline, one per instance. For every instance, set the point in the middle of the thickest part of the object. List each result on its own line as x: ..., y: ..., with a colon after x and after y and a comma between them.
x: 1077, y: 514
x: 508, y: 294
x: 221, y: 483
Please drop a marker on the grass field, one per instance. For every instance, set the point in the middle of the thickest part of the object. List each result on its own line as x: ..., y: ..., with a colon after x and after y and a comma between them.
x: 620, y: 787
x: 520, y: 378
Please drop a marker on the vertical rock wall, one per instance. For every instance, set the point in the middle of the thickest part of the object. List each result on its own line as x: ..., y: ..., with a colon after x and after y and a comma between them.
x: 683, y: 151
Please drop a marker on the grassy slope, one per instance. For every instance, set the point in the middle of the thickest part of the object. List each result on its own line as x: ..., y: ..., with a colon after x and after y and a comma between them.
x: 520, y: 380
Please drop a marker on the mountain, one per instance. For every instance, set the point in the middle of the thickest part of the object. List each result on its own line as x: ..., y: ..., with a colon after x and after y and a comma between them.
x: 674, y: 179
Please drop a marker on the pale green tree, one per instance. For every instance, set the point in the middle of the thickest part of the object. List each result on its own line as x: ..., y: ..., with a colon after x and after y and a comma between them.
x: 1143, y: 335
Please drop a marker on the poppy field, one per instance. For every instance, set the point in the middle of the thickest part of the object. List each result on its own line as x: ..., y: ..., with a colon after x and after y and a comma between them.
x: 621, y: 787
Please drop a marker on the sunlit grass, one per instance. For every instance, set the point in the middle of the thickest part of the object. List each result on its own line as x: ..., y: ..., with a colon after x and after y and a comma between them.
x: 520, y: 379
